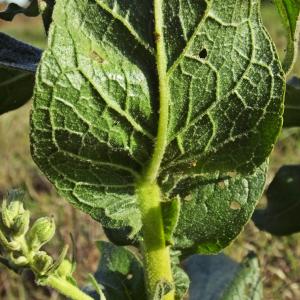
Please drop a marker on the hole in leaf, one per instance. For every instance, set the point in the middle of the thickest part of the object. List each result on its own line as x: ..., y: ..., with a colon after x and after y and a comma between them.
x: 203, y: 53
x: 234, y: 205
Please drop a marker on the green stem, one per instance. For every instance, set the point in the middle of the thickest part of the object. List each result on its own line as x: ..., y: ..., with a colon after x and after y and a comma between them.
x: 156, y: 254
x: 164, y: 96
x: 66, y: 288
x: 157, y: 260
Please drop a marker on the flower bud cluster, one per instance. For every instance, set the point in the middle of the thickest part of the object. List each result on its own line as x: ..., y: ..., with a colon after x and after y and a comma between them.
x: 20, y: 244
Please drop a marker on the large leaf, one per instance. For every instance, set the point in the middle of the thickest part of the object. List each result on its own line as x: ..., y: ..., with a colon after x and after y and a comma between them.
x: 96, y: 108
x: 289, y: 11
x: 292, y: 103
x: 281, y: 216
x: 221, y: 278
x: 18, y: 62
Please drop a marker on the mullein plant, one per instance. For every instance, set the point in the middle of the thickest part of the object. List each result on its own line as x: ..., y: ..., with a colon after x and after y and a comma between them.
x: 157, y: 120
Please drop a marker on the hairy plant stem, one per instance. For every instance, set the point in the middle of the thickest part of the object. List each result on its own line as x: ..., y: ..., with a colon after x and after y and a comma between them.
x: 157, y: 260
x: 66, y: 288
x: 156, y: 255
x: 164, y: 97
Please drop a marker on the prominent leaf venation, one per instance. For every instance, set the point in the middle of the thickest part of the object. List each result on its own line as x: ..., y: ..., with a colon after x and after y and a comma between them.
x: 114, y: 106
x: 255, y: 63
x: 110, y: 113
x: 126, y: 24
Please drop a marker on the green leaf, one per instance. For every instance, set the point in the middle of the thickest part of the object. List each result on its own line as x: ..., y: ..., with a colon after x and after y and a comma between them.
x: 281, y: 216
x: 96, y: 110
x: 209, y: 275
x: 220, y: 278
x: 162, y: 288
x: 181, y: 279
x: 291, y: 116
x: 247, y: 282
x: 120, y: 272
x: 171, y: 214
x: 17, y: 55
x: 215, y: 209
x: 16, y: 88
x: 18, y: 62
x: 121, y: 236
x: 13, y: 9
x: 289, y: 11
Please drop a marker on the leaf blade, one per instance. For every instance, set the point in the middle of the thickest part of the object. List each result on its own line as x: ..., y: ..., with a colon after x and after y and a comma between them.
x: 100, y: 103
x: 289, y: 11
x: 291, y: 116
x: 281, y: 216
x: 18, y: 62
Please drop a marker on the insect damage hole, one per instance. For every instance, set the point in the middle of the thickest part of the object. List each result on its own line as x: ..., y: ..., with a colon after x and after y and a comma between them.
x: 234, y: 205
x: 203, y: 53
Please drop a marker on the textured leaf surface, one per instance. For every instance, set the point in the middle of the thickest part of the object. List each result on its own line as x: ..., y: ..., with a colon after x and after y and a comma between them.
x: 281, y: 216
x: 219, y: 278
x: 291, y: 116
x: 120, y: 273
x: 171, y: 214
x: 289, y: 11
x: 181, y: 279
x: 18, y: 62
x: 96, y: 110
x: 215, y: 209
x: 247, y: 282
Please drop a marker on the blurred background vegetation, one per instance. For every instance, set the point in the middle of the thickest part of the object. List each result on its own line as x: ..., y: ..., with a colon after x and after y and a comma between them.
x: 279, y: 256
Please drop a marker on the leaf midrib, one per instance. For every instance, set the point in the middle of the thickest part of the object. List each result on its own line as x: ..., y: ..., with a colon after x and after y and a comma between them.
x: 152, y: 169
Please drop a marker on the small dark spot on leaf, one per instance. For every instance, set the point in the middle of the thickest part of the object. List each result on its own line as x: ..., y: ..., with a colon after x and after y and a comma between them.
x: 203, y: 53
x: 95, y: 56
x: 156, y: 36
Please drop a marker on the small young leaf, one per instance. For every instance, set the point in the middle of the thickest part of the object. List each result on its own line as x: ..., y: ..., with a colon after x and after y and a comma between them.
x: 181, y: 279
x: 121, y: 273
x: 221, y: 278
x: 281, y: 216
x: 171, y: 213
x: 289, y: 11
x: 96, y: 108
x: 291, y: 116
x: 18, y: 62
x: 162, y: 289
